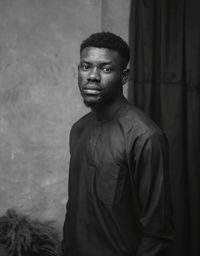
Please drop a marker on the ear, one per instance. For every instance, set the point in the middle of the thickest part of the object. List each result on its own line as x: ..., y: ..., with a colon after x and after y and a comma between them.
x: 125, y: 76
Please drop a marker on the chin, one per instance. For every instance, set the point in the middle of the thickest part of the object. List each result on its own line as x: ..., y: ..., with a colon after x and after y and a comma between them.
x: 96, y: 103
x: 91, y: 104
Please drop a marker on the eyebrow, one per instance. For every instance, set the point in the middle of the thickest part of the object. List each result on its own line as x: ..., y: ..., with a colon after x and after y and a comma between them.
x: 101, y: 63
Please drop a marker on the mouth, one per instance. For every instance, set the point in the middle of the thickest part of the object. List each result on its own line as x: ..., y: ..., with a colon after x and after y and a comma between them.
x: 91, y: 91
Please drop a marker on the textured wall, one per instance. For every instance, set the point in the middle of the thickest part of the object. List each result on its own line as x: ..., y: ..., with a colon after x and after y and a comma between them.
x: 39, y: 98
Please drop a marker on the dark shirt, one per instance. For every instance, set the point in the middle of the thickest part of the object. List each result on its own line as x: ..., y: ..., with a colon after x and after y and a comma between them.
x: 118, y: 187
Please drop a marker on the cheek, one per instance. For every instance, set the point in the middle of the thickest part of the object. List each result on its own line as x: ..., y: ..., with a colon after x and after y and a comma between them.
x: 81, y: 79
x: 112, y: 82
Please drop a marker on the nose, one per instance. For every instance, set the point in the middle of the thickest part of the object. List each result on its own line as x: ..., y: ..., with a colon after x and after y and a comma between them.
x: 93, y: 75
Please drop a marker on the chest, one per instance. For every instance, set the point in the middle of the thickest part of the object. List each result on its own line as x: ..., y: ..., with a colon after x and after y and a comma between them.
x: 104, y: 144
x: 101, y: 156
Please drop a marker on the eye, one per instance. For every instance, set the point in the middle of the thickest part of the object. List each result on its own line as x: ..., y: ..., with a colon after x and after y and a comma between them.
x: 84, y: 66
x: 107, y: 69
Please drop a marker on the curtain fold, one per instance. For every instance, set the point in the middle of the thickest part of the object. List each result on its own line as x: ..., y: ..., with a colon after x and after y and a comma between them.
x: 165, y: 83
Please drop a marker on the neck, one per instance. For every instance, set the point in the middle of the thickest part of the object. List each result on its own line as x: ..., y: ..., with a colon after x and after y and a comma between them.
x: 106, y: 111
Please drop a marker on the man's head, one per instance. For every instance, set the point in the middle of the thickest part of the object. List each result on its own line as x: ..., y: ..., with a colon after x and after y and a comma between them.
x: 102, y: 69
x: 110, y: 41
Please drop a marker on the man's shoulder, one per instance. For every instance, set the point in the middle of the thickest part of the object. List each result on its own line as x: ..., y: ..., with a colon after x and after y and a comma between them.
x: 82, y: 122
x: 140, y: 122
x: 140, y: 129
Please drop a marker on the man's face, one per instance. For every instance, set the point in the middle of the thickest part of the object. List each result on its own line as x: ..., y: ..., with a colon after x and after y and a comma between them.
x: 100, y: 76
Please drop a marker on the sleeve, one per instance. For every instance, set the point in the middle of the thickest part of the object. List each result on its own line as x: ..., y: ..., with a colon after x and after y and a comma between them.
x: 65, y: 228
x: 151, y: 178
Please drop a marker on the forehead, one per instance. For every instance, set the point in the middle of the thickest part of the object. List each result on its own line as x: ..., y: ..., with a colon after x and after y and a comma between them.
x: 94, y: 54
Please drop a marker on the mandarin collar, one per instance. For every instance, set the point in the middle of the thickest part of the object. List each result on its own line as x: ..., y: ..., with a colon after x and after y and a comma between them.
x: 112, y: 112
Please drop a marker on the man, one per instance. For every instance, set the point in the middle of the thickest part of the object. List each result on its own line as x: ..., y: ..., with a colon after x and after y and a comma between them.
x: 118, y: 178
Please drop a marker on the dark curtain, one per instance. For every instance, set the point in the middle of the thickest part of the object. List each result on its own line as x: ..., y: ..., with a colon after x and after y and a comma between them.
x: 165, y: 82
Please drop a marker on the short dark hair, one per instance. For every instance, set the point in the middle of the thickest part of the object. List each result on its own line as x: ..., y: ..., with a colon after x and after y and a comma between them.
x: 107, y: 40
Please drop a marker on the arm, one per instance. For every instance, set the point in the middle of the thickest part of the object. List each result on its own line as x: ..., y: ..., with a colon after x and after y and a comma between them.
x: 65, y: 228
x: 151, y: 178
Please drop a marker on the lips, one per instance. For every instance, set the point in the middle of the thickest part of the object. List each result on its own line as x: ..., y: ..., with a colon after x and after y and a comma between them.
x: 92, y: 90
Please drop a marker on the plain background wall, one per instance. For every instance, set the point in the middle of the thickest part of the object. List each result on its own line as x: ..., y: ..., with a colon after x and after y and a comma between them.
x: 39, y: 97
